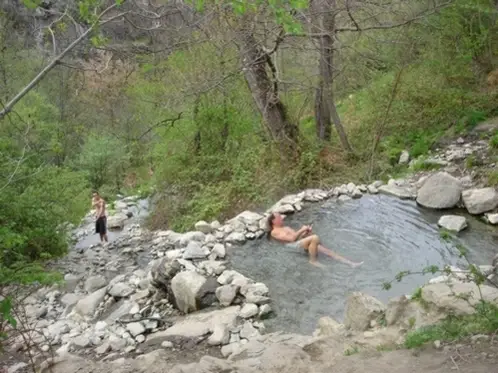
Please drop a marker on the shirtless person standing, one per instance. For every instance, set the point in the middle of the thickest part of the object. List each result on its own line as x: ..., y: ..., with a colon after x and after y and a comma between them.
x: 101, y: 220
x: 302, y: 239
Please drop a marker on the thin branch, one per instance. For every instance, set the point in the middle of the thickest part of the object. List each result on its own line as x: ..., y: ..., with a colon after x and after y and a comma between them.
x: 169, y: 120
x: 351, y: 15
x: 8, y: 107
x: 395, y: 25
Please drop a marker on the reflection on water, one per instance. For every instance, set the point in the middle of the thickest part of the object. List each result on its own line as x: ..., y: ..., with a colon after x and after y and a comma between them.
x: 388, y: 234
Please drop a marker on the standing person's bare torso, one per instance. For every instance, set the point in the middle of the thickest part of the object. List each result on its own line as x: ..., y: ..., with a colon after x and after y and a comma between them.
x: 100, y: 208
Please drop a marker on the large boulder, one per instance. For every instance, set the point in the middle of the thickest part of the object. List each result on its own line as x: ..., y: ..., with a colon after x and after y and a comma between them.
x: 478, y: 201
x: 440, y: 191
x: 361, y: 309
x: 457, y: 298
x: 87, y: 306
x: 408, y: 313
x: 116, y: 221
x: 93, y: 283
x: 162, y: 272
x: 192, y: 291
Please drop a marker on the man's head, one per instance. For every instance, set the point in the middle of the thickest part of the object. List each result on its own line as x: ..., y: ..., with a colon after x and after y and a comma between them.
x: 96, y: 195
x: 275, y: 220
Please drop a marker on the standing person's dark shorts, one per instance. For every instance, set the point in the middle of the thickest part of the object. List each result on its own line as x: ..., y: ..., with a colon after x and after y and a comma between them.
x: 101, y: 225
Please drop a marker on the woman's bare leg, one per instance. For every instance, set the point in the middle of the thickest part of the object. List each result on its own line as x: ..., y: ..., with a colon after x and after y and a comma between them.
x: 337, y: 257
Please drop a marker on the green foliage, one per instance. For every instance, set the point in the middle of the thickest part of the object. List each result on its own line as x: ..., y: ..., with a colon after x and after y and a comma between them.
x: 417, y: 294
x: 423, y: 164
x: 493, y: 142
x: 453, y: 328
x: 104, y: 160
x: 445, y: 235
x: 351, y: 351
x: 493, y: 178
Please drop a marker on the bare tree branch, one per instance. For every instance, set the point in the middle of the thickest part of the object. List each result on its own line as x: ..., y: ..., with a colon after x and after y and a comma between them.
x: 98, y: 22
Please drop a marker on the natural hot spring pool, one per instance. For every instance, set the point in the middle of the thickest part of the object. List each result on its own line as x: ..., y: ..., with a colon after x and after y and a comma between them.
x: 388, y: 234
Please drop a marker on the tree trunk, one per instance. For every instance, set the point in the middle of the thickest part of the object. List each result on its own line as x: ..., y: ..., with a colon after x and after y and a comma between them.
x: 197, y: 137
x: 325, y: 109
x: 225, y: 129
x: 264, y: 90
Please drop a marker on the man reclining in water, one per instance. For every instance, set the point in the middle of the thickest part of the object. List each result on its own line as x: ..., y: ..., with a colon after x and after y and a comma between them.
x: 302, y: 239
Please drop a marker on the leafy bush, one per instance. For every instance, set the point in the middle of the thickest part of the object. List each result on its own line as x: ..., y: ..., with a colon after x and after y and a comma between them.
x: 485, y: 320
x: 31, y: 214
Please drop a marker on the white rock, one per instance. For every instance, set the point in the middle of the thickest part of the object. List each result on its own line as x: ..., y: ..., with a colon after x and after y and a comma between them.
x: 402, y: 192
x: 140, y: 339
x: 135, y: 328
x: 166, y: 344
x: 344, y: 198
x: 249, y: 310
x: 478, y: 201
x: 88, y: 305
x: 116, y: 221
x: 103, y: 348
x: 440, y: 191
x: 220, y: 336
x: 264, y: 310
x: 356, y: 193
x: 372, y: 189
x: 248, y: 331
x: 203, y: 227
x: 16, y: 367
x: 226, y: 294
x: 351, y: 187
x: 404, y: 158
x: 361, y: 309
x: 452, y: 222
x: 185, y: 287
x: 70, y: 299
x: 230, y: 349
x: 215, y: 225
x: 121, y: 290
x: 191, y: 236
x: 94, y: 283
x: 81, y: 341
x: 100, y: 326
x: 492, y: 218
x: 248, y: 217
x: 116, y: 343
x: 284, y: 209
x: 236, y: 237
x: 194, y: 250
x: 219, y: 251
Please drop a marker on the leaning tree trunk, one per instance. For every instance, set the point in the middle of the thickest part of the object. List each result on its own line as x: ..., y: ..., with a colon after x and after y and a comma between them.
x: 325, y: 108
x: 256, y: 63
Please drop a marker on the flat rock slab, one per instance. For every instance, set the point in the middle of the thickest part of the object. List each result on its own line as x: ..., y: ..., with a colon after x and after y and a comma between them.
x: 398, y: 191
x: 197, y: 325
x: 445, y: 298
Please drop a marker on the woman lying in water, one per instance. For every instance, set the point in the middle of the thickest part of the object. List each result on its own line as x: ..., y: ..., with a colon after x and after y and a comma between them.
x: 302, y: 239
